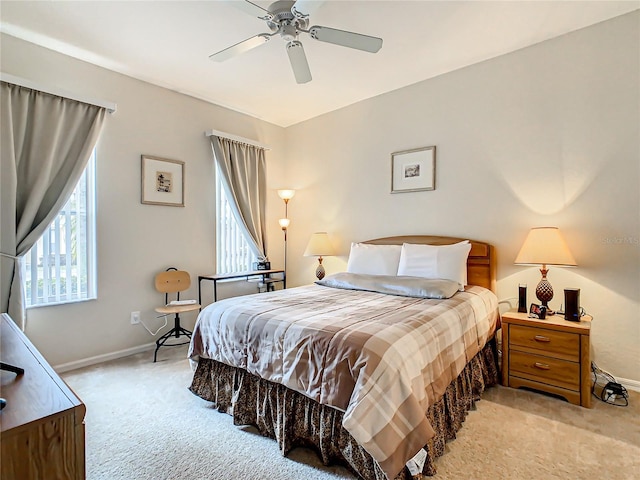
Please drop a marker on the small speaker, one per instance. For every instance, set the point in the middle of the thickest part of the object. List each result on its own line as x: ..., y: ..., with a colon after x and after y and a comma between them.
x: 522, y: 297
x: 572, y: 304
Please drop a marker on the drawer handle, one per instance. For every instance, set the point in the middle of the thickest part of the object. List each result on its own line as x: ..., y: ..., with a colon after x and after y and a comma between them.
x: 542, y: 366
x: 540, y: 338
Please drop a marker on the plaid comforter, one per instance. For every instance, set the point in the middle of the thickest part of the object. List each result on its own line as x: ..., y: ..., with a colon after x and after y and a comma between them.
x: 382, y: 359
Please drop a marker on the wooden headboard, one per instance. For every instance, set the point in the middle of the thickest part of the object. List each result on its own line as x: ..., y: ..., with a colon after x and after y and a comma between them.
x: 481, y: 264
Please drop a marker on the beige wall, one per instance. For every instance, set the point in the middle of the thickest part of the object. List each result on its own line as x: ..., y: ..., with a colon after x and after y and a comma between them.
x: 135, y: 241
x: 548, y: 135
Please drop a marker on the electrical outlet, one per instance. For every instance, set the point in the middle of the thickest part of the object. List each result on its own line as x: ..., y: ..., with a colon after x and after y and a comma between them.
x: 135, y: 318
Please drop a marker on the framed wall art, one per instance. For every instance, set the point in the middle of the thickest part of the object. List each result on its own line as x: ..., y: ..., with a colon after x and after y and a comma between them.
x: 162, y: 181
x: 413, y: 170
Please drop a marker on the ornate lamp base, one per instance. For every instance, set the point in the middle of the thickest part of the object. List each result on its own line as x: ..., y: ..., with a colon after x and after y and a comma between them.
x: 320, y: 270
x: 544, y: 291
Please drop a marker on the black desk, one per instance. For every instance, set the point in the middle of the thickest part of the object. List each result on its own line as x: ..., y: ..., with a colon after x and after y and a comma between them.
x: 263, y: 275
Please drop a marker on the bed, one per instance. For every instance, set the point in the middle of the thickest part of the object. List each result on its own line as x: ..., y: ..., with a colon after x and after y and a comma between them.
x: 374, y: 368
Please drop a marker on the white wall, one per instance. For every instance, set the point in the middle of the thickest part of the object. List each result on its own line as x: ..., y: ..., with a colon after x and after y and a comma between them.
x: 548, y: 135
x: 135, y: 241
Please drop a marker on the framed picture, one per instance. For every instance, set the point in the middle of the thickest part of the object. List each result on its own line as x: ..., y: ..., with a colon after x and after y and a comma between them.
x: 162, y: 181
x: 413, y: 170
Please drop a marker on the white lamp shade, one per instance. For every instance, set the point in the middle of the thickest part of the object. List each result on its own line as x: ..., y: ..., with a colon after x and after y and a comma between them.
x: 319, y: 245
x: 286, y: 194
x: 284, y: 222
x: 545, y: 246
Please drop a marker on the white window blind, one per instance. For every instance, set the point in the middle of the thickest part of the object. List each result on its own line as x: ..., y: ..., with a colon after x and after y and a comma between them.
x: 60, y: 267
x: 232, y: 250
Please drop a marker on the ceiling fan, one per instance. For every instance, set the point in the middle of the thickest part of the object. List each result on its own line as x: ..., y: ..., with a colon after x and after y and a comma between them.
x: 288, y: 19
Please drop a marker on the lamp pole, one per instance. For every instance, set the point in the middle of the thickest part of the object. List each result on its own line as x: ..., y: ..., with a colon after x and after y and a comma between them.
x: 284, y: 229
x: 286, y: 195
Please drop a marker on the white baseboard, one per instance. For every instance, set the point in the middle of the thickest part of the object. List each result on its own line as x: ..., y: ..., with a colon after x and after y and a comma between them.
x: 85, y: 362
x: 630, y: 384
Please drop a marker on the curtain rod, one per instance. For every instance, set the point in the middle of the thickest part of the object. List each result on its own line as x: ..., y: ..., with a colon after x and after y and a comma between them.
x: 23, y: 82
x: 217, y: 133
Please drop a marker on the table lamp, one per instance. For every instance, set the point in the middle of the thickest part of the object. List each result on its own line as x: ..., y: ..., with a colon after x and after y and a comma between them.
x: 318, y: 246
x: 545, y: 246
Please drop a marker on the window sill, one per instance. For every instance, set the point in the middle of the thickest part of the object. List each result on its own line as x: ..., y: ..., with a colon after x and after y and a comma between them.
x: 66, y: 302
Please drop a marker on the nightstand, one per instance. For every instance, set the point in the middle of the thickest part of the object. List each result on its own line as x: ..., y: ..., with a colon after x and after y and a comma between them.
x: 550, y: 355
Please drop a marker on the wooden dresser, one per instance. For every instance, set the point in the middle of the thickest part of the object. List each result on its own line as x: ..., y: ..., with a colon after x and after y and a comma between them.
x: 42, y: 425
x: 550, y: 355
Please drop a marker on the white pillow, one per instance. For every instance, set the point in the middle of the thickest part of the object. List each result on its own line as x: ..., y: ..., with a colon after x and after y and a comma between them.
x: 448, y: 262
x: 374, y: 259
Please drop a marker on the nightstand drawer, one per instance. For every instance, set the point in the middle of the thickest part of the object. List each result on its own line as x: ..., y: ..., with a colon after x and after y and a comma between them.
x: 550, y: 370
x: 547, y: 341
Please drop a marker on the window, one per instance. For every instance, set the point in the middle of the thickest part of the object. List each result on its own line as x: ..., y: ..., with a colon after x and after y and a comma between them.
x: 233, y: 253
x: 61, y: 266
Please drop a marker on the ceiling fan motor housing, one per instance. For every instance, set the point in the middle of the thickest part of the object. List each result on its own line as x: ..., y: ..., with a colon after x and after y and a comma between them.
x: 284, y: 21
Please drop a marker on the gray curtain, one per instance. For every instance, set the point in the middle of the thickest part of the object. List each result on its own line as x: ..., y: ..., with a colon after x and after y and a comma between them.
x: 243, y: 169
x: 45, y: 143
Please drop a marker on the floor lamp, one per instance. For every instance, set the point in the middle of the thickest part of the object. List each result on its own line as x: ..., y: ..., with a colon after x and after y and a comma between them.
x: 286, y: 195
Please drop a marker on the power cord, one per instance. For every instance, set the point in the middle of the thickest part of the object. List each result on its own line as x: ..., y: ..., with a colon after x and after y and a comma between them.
x: 166, y: 322
x: 611, y: 391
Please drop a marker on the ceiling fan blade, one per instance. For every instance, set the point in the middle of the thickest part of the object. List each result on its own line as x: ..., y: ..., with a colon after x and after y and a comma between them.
x: 299, y: 62
x: 251, y: 8
x: 304, y: 8
x: 241, y: 47
x: 346, y: 39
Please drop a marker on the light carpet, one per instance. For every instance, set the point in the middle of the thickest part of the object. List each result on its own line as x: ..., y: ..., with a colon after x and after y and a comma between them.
x: 143, y: 423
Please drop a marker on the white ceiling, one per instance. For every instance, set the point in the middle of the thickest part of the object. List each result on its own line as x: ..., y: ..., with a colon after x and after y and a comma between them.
x: 168, y: 43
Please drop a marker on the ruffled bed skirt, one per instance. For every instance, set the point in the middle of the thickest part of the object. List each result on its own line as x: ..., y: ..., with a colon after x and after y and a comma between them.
x: 294, y: 420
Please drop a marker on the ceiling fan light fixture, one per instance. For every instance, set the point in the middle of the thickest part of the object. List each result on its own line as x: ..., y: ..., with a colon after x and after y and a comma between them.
x: 289, y: 32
